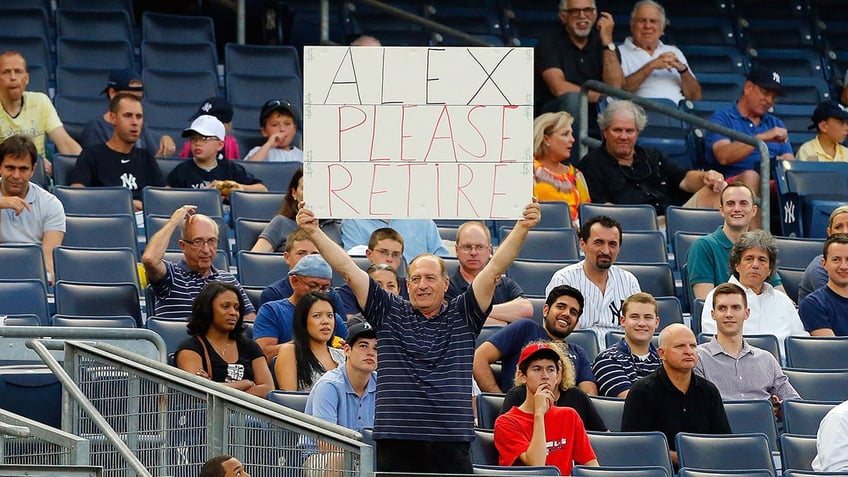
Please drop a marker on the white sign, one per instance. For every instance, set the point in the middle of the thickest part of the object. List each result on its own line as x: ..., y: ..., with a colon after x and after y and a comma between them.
x: 418, y: 132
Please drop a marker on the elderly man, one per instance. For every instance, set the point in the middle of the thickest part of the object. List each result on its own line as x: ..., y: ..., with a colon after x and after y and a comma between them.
x: 98, y: 131
x: 739, y: 370
x: 707, y: 260
x: 750, y: 115
x: 175, y: 285
x: 620, y: 172
x: 473, y: 249
x: 273, y: 325
x: 604, y: 285
x: 673, y: 399
x: 429, y: 429
x: 651, y: 68
x: 561, y: 313
x: 634, y: 356
x: 581, y: 49
x: 825, y: 311
x: 118, y: 162
x: 29, y: 113
x: 815, y: 276
x: 752, y: 261
x: 28, y: 213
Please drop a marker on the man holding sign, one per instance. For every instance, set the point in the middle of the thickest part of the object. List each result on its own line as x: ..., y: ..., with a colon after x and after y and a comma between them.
x: 424, y: 421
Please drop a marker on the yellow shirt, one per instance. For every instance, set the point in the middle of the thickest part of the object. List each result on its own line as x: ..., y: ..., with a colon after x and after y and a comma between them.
x: 812, y: 151
x: 37, y: 118
x: 569, y: 187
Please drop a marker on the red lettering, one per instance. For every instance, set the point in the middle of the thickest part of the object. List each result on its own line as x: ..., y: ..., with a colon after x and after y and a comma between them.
x: 372, y: 192
x: 460, y: 188
x: 504, y: 137
x: 495, y: 192
x: 403, y: 136
x: 477, y: 130
x: 373, y: 136
x: 409, y: 183
x: 443, y: 114
x: 344, y: 129
x: 333, y: 192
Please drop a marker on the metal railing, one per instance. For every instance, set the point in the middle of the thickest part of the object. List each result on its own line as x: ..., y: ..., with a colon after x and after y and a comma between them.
x: 765, y: 163
x: 27, y: 443
x: 143, y: 417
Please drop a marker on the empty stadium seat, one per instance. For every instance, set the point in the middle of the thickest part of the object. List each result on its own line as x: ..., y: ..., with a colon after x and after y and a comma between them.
x: 24, y: 296
x: 95, y: 54
x: 183, y: 57
x: 804, y: 416
x: 177, y: 28
x: 255, y: 205
x: 99, y: 25
x: 104, y: 265
x: 630, y: 448
x: 273, y: 60
x: 87, y: 231
x: 724, y: 451
x: 102, y: 299
x: 95, y: 200
x: 28, y: 260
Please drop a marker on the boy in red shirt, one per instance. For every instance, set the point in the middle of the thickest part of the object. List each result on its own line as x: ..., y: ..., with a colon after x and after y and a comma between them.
x: 537, y: 432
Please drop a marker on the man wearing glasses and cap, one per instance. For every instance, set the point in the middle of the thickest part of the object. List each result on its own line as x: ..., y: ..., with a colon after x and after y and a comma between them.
x: 99, y: 130
x: 621, y: 172
x: 176, y: 284
x: 831, y: 120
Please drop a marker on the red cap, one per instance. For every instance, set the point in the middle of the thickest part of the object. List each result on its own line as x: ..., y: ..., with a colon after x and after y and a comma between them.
x: 543, y: 349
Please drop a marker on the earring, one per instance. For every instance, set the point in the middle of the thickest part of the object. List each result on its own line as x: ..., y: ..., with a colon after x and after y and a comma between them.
x: 547, y: 144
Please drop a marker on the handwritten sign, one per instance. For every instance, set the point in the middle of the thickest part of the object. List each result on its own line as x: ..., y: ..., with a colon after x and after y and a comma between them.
x: 417, y: 132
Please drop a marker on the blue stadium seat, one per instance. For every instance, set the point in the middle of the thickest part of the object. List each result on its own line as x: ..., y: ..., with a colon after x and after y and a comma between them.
x: 164, y: 200
x: 104, y: 265
x: 715, y: 59
x: 247, y: 89
x: 556, y: 245
x: 488, y: 409
x: 654, y: 278
x: 275, y: 60
x: 183, y: 57
x: 803, y: 417
x: 646, y: 246
x: 260, y: 269
x: 817, y: 352
x: 99, y: 25
x: 794, y: 252
x: 587, y: 339
x: 86, y: 231
x: 247, y: 232
x: 180, y: 86
x: 753, y: 416
x: 177, y: 28
x: 103, y: 299
x: 797, y: 452
x: 25, y: 22
x: 819, y: 385
x: 76, y: 112
x: 81, y: 82
x: 724, y: 451
x: 28, y: 260
x: 533, y: 276
x: 629, y: 448
x: 294, y: 400
x: 122, y: 321
x: 95, y: 200
x: 721, y: 86
x: 95, y: 54
x: 32, y: 391
x: 255, y: 205
x: 24, y: 296
x: 275, y: 175
x: 631, y: 217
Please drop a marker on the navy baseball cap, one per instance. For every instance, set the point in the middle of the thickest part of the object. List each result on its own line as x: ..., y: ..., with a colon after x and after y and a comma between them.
x: 120, y: 80
x: 828, y: 109
x: 766, y: 79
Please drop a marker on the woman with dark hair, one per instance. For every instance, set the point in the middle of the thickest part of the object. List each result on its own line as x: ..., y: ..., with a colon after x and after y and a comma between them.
x: 216, y: 349
x: 309, y: 354
x: 273, y: 238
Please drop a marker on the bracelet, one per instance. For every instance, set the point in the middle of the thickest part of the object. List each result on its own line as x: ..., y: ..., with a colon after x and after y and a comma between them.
x: 684, y: 71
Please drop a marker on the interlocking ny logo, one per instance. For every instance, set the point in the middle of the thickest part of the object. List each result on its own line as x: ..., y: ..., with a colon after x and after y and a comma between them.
x: 789, y: 213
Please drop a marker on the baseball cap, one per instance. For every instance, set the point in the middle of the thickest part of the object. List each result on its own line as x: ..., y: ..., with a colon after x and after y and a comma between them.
x: 217, y: 106
x: 312, y: 266
x: 538, y: 350
x: 120, y: 80
x: 273, y: 105
x: 767, y: 79
x: 206, y: 126
x: 362, y: 329
x: 828, y: 109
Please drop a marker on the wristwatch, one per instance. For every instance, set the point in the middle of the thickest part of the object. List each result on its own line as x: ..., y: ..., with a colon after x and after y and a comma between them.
x: 610, y: 46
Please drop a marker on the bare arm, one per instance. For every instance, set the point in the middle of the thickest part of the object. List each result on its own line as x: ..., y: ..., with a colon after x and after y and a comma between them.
x: 154, y: 252
x: 588, y: 387
x: 484, y: 283
x: 262, y: 245
x: 694, y: 180
x: 341, y: 262
x: 822, y: 332
x: 512, y: 310
x: 264, y: 382
x: 50, y: 240
x: 613, y: 75
x: 64, y: 142
x: 270, y: 347
x: 701, y: 290
x: 167, y: 147
x: 286, y: 368
x: 485, y: 355
x: 731, y: 152
x: 690, y: 86
x: 536, y: 452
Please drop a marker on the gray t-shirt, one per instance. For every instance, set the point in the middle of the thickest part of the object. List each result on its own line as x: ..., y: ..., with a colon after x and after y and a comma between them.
x: 47, y: 214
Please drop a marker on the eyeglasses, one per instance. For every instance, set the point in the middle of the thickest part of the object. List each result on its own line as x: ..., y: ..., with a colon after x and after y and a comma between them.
x: 314, y: 286
x: 577, y: 11
x: 203, y: 138
x: 199, y: 243
x: 476, y: 248
x: 386, y: 253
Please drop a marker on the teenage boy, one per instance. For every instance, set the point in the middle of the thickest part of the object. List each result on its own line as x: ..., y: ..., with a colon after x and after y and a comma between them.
x: 537, y: 432
x: 831, y: 121
x: 278, y: 124
x: 205, y: 170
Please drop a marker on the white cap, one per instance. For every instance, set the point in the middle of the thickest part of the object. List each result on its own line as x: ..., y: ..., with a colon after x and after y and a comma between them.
x: 206, y: 126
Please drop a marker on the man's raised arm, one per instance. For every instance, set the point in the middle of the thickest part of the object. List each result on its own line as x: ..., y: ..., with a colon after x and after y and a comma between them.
x: 484, y: 283
x: 341, y: 262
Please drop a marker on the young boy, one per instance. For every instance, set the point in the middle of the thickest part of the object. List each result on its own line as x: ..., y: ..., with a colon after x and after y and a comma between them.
x: 537, y: 432
x: 278, y: 124
x: 831, y: 120
x: 219, y: 107
x: 205, y: 170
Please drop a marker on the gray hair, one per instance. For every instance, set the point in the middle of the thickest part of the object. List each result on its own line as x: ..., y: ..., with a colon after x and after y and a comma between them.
x: 563, y: 4
x: 660, y: 8
x: 623, y: 106
x: 753, y: 239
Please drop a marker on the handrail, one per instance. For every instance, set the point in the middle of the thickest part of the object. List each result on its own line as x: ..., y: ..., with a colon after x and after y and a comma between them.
x: 765, y: 162
x: 71, y: 388
x: 435, y: 26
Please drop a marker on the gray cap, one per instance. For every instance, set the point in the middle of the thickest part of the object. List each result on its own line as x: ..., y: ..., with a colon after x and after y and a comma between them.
x: 312, y: 266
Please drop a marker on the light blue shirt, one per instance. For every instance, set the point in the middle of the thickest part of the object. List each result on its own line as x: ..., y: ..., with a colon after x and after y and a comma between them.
x: 333, y: 399
x: 419, y: 235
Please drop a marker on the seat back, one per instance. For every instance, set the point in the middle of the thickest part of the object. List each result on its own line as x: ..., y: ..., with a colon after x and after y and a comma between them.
x: 173, y: 332
x: 795, y: 252
x: 275, y: 175
x: 611, y: 410
x: 95, y: 54
x: 28, y: 260
x: 819, y: 385
x: 177, y: 28
x: 95, y: 201
x: 724, y: 451
x: 670, y: 311
x: 817, y: 352
x: 631, y: 448
x: 533, y: 276
x: 82, y: 265
x: 86, y: 231
x: 247, y: 232
x: 24, y: 296
x: 488, y: 409
x: 512, y: 470
x: 619, y: 471
x: 587, y: 339
x: 791, y: 279
x: 643, y: 247
x: 553, y: 244
x: 164, y: 201
x: 803, y: 417
x: 273, y: 59
x: 614, y: 336
x: 555, y: 215
x: 725, y: 473
x: 103, y: 299
x: 631, y: 217
x: 188, y: 57
x: 258, y: 269
x: 32, y: 391
x: 122, y: 321
x: 483, y: 450
x: 63, y: 164
x: 753, y: 416
x: 684, y: 219
x: 106, y: 25
x: 654, y: 278
x: 180, y: 87
x: 294, y: 400
x: 255, y: 205
x: 797, y: 452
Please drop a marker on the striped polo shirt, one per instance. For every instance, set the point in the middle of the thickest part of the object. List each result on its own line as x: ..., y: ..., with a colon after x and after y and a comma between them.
x: 176, y: 291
